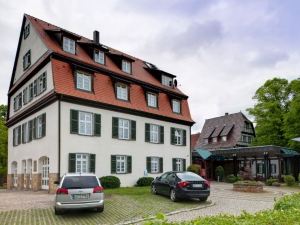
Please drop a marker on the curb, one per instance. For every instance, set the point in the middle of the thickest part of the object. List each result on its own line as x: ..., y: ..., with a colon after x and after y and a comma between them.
x: 169, y: 214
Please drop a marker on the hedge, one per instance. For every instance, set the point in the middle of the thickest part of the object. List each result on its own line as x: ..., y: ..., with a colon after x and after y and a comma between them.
x: 144, y: 181
x: 289, y: 180
x: 110, y: 182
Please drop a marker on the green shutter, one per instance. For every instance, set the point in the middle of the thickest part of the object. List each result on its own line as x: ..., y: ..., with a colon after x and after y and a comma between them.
x: 115, y: 127
x: 129, y: 164
x: 23, y: 133
x: 184, y: 164
x: 44, y: 125
x: 184, y: 137
x: 92, y: 163
x: 162, y: 134
x: 30, y: 124
x: 113, y: 163
x: 133, y: 130
x: 72, y: 162
x: 174, y: 164
x: 14, y: 134
x: 147, y: 132
x: 34, y: 128
x: 74, y: 121
x: 97, y: 125
x: 161, y: 165
x: 19, y: 136
x: 148, y: 163
x: 172, y: 136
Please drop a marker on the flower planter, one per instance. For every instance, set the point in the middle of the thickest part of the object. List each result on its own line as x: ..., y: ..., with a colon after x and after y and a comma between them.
x: 248, y: 186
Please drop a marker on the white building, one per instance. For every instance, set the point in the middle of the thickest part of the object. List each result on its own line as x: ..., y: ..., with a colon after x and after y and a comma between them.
x: 76, y: 105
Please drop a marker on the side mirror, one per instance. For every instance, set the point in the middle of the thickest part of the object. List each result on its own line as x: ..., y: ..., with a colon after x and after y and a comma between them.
x: 56, y: 182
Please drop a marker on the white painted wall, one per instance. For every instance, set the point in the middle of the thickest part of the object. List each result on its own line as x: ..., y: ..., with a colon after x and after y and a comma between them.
x: 47, y: 68
x: 105, y: 146
x: 46, y: 146
x: 37, y: 47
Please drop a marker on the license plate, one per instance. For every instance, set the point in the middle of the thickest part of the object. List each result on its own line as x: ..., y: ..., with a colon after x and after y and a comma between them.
x: 197, y: 185
x: 81, y: 196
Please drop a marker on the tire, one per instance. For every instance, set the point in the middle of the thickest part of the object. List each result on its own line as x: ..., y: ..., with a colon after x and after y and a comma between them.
x: 100, y: 209
x: 173, y: 196
x: 58, y: 212
x: 203, y: 199
x: 153, y: 190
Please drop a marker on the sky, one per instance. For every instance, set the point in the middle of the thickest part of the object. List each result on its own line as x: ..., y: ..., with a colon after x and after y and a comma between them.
x: 222, y: 51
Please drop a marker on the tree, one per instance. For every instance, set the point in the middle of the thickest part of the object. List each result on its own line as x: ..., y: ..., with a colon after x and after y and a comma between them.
x: 3, y: 141
x: 272, y: 102
x: 292, y: 117
x: 3, y: 111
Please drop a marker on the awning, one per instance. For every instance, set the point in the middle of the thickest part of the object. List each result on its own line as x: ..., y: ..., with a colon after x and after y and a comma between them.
x: 204, y: 154
x: 296, y: 139
x: 289, y: 152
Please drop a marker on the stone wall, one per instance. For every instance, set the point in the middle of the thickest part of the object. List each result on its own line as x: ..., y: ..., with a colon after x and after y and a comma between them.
x: 52, y: 178
x: 36, y: 181
x: 248, y: 188
x: 9, y: 181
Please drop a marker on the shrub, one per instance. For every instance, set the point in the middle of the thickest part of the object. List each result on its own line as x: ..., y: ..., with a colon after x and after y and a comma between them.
x: 219, y: 172
x: 288, y: 202
x: 289, y: 180
x: 276, y: 184
x: 144, y: 181
x: 231, y: 178
x: 270, y: 181
x: 249, y: 183
x: 299, y: 177
x: 110, y: 182
x: 195, y: 168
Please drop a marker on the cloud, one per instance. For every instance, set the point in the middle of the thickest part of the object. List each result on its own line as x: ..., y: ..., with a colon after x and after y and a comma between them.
x: 267, y: 58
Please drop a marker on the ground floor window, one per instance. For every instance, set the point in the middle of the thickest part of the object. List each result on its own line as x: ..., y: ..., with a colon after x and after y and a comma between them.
x: 154, y: 164
x: 259, y: 168
x: 45, y: 172
x: 178, y: 164
x: 273, y: 169
x: 82, y: 163
x: 121, y: 164
x: 14, y: 171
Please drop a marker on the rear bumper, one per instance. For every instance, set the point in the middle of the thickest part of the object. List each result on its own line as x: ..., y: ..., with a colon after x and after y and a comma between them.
x: 182, y: 193
x: 85, y: 205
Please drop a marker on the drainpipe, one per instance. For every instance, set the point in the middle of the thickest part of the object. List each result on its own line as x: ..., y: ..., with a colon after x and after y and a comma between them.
x: 59, y: 139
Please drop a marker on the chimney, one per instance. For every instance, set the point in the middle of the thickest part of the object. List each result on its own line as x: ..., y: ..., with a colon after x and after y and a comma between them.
x: 226, y: 114
x: 96, y: 37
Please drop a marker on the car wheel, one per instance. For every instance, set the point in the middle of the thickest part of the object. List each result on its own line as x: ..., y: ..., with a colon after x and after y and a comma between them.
x: 173, y: 196
x: 100, y: 209
x: 153, y: 190
x: 203, y: 199
x: 57, y: 211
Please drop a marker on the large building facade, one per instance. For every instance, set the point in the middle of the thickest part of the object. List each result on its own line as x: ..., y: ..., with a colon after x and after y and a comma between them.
x: 76, y: 105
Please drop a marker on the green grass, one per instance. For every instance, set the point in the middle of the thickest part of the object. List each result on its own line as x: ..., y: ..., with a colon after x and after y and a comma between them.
x: 121, y: 204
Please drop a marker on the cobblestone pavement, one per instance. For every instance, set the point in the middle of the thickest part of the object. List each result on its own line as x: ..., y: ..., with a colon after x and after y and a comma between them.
x: 230, y: 202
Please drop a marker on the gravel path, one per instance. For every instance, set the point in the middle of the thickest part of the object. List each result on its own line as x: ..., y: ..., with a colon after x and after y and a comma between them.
x: 230, y: 202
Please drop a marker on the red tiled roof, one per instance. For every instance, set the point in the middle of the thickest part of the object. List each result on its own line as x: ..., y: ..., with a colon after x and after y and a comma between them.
x: 194, y: 140
x: 103, y: 86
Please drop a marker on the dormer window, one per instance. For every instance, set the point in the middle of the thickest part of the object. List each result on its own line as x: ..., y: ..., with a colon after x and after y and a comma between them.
x: 167, y: 81
x: 152, y: 100
x: 122, y: 91
x: 26, y: 60
x: 206, y: 141
x: 69, y: 45
x: 83, y: 81
x: 126, y: 66
x: 26, y: 31
x: 176, y: 106
x: 224, y: 138
x: 99, y: 56
x: 215, y: 140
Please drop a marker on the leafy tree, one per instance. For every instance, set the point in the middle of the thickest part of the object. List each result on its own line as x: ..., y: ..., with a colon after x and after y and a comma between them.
x: 3, y: 141
x: 272, y: 101
x: 3, y: 111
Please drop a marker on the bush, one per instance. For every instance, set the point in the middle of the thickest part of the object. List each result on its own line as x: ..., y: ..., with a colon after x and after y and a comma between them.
x: 288, y: 202
x: 289, y: 180
x: 276, y: 184
x: 219, y: 173
x: 110, y: 182
x: 231, y: 178
x: 144, y: 181
x: 249, y: 183
x: 195, y: 168
x: 299, y: 177
x: 270, y: 181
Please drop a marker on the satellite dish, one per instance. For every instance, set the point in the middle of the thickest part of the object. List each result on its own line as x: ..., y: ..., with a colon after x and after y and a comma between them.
x: 175, y: 82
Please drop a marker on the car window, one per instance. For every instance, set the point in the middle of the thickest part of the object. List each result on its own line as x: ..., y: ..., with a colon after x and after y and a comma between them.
x: 188, y: 176
x: 79, y: 182
x: 164, y: 176
x: 171, y: 177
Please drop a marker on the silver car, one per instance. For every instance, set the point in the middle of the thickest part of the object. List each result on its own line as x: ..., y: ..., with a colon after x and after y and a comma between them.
x: 79, y: 191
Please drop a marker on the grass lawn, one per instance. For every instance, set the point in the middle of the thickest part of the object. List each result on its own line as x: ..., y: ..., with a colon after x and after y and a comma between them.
x: 121, y: 205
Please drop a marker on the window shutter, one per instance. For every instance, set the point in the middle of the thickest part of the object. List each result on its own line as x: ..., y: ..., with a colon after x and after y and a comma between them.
x: 184, y: 137
x: 184, y: 164
x: 34, y: 128
x: 74, y: 121
x: 23, y: 133
x: 113, y: 163
x: 133, y: 130
x: 92, y: 163
x: 14, y: 137
x: 148, y: 163
x: 44, y: 125
x: 115, y: 127
x: 30, y: 130
x: 172, y: 135
x: 35, y: 88
x: 162, y: 134
x: 72, y: 162
x: 97, y: 125
x: 24, y: 63
x: 161, y: 165
x: 19, y: 134
x: 44, y: 81
x: 147, y: 132
x: 38, y: 88
x: 129, y: 164
x: 174, y: 164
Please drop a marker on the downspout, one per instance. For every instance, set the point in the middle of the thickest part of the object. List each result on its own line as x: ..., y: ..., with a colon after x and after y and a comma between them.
x: 191, y: 156
x: 59, y: 139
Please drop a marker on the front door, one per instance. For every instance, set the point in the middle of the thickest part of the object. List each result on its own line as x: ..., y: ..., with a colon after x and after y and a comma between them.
x: 45, y: 173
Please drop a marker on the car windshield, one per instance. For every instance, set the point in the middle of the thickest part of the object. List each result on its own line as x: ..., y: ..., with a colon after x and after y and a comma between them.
x: 189, y: 176
x: 79, y: 182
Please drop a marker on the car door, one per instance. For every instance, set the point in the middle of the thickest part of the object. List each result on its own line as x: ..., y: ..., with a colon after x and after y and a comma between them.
x: 161, y: 183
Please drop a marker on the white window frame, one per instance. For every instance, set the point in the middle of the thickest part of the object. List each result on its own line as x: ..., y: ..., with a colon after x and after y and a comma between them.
x: 99, y: 56
x: 176, y: 106
x: 122, y: 91
x: 224, y: 138
x: 85, y: 123
x: 82, y: 163
x: 83, y: 81
x: 39, y: 125
x: 124, y: 129
x: 121, y: 164
x: 215, y: 139
x: 206, y: 141
x: 126, y: 66
x: 166, y: 80
x: 179, y: 165
x: 178, y: 136
x: 155, y: 165
x: 273, y: 168
x: 154, y: 133
x: 69, y: 45
x: 152, y: 100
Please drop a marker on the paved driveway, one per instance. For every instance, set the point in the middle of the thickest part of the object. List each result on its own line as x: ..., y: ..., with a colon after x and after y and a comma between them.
x: 231, y: 202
